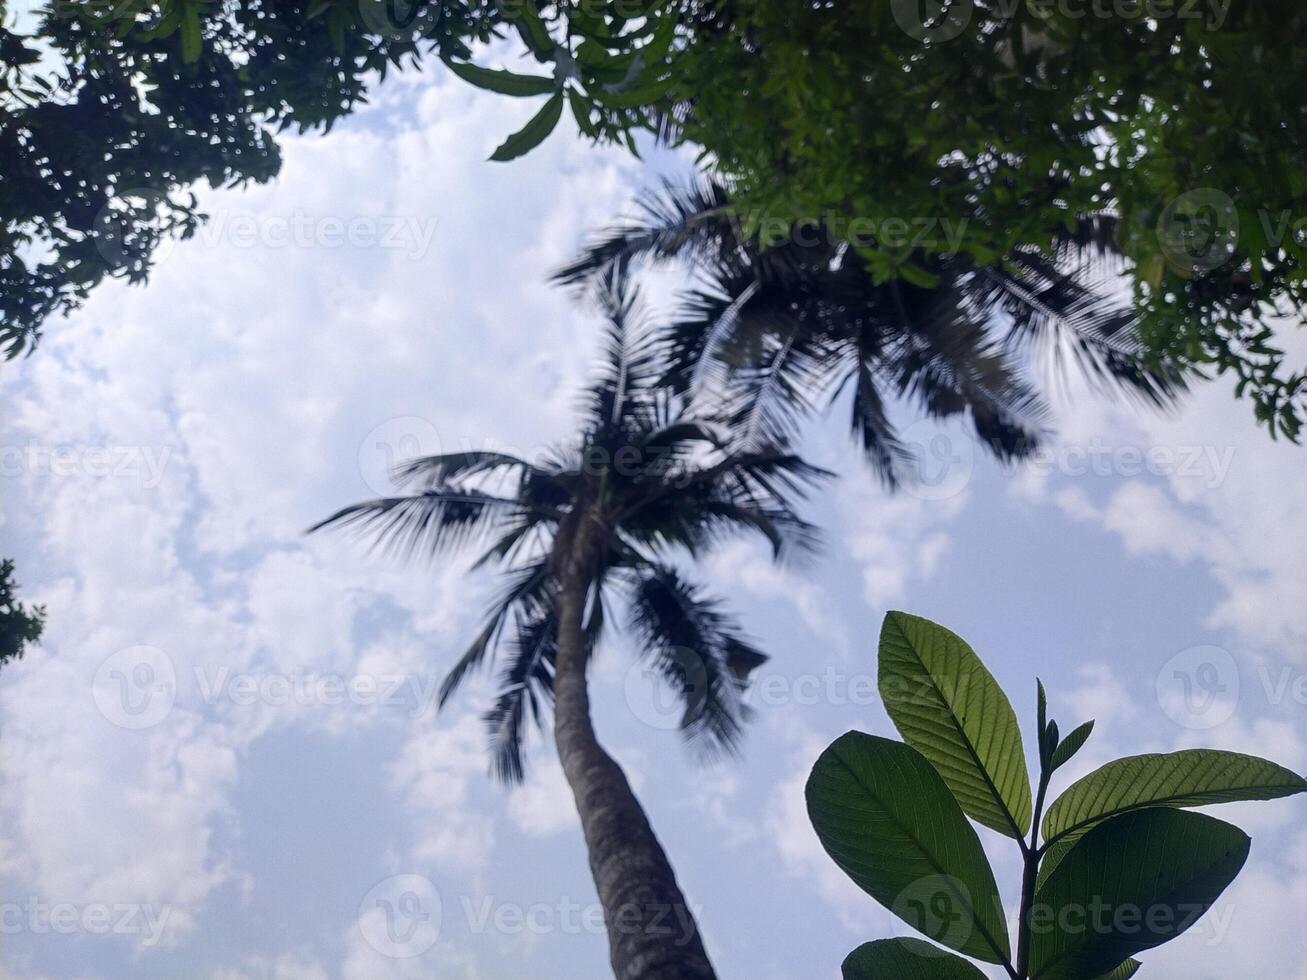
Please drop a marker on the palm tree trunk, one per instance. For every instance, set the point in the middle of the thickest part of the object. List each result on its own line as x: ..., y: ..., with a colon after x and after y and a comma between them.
x: 652, y: 934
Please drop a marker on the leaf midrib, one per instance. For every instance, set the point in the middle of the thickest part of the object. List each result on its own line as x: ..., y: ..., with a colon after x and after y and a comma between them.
x: 1175, y: 799
x: 941, y: 871
x: 1017, y: 832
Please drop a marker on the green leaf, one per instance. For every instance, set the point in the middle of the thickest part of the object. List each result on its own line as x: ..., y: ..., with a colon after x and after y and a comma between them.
x: 533, y: 133
x: 1048, y: 745
x: 1123, y: 972
x: 1130, y: 884
x: 192, y: 41
x: 1070, y: 746
x: 581, y: 113
x: 1195, y: 777
x: 503, y: 82
x: 888, y: 820
x: 949, y: 707
x: 906, y: 959
x: 634, y: 97
x: 534, y: 32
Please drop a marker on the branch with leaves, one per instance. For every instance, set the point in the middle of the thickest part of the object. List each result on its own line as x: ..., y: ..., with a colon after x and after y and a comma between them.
x: 1114, y: 867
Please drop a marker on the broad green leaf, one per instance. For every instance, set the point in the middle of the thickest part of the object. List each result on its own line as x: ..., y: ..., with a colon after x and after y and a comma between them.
x: 503, y: 82
x: 949, y: 707
x: 1123, y: 972
x: 1195, y: 777
x: 1071, y: 745
x: 885, y: 816
x: 1052, y: 857
x: 1130, y: 884
x: 906, y: 959
x: 533, y: 133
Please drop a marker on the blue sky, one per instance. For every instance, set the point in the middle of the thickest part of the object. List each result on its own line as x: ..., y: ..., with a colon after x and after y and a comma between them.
x: 276, y: 781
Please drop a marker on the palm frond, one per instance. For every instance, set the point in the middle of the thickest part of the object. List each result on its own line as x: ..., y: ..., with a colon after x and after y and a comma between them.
x: 433, y: 522
x: 428, y: 472
x: 675, y: 222
x: 631, y: 360
x: 526, y: 684
x: 700, y: 653
x: 528, y: 592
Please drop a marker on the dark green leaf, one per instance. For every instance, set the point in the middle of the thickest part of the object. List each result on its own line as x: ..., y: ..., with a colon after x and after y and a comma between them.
x: 533, y: 133
x: 1195, y: 777
x: 1130, y: 884
x: 1071, y: 745
x: 949, y: 707
x: 888, y: 820
x: 906, y: 959
x: 1123, y: 972
x: 503, y: 82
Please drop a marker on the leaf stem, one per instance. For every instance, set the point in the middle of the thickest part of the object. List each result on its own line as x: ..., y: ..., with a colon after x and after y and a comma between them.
x: 1031, y: 853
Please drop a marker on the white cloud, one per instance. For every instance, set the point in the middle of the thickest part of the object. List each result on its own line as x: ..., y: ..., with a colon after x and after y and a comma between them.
x: 543, y: 805
x: 433, y: 773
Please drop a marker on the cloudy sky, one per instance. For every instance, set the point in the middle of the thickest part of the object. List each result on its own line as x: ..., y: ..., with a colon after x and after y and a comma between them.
x: 223, y: 761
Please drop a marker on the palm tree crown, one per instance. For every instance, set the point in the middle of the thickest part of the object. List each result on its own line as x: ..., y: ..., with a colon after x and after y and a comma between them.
x: 799, y: 321
x: 657, y: 477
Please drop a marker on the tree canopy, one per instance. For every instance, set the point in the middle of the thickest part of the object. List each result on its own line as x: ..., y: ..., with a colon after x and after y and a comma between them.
x: 19, y: 624
x: 1011, y: 121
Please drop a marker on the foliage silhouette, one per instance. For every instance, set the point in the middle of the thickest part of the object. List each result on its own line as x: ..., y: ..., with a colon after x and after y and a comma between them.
x: 650, y: 479
x: 789, y: 326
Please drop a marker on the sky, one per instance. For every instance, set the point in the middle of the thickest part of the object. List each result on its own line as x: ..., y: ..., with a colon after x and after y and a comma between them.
x: 223, y: 761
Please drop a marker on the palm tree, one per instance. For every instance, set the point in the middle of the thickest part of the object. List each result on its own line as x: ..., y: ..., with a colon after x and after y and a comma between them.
x: 808, y: 318
x: 651, y: 477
